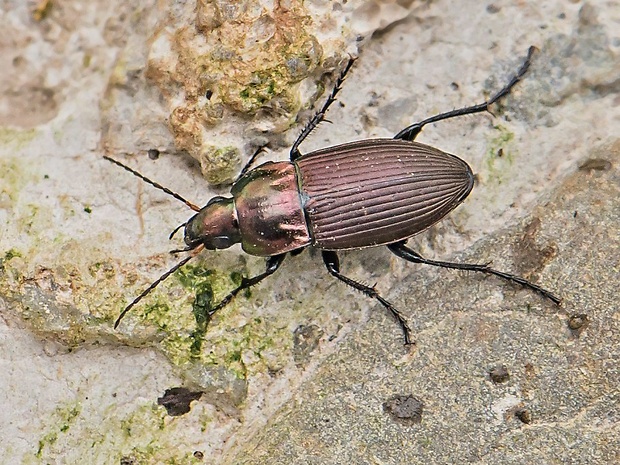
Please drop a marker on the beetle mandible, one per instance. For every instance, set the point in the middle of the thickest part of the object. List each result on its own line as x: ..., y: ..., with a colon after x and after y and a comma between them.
x: 360, y: 194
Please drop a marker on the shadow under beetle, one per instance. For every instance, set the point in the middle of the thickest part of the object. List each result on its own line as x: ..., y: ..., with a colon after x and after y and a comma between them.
x: 360, y: 194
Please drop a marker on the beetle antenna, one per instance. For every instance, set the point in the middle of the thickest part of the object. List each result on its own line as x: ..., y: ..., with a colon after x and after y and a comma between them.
x: 154, y: 184
x: 153, y: 285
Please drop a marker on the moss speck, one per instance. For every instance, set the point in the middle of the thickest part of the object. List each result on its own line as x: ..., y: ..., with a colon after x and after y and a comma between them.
x: 65, y: 416
x: 157, y: 313
x: 11, y: 254
x: 500, y: 155
x: 18, y: 139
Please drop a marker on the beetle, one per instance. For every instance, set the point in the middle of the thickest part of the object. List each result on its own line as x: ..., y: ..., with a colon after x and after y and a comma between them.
x: 361, y: 194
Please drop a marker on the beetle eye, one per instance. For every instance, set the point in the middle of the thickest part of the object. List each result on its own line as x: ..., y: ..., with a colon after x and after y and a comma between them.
x: 215, y: 199
x: 221, y: 242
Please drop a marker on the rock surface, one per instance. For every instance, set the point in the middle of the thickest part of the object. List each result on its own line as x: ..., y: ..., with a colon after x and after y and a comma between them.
x: 304, y: 370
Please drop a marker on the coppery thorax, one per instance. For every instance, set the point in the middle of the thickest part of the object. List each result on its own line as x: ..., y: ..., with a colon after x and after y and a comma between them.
x: 270, y: 211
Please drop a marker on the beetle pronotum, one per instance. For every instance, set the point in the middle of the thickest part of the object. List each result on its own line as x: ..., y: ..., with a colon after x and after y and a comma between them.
x: 360, y: 194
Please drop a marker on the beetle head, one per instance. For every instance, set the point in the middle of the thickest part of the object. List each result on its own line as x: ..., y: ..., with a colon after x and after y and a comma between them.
x: 215, y: 225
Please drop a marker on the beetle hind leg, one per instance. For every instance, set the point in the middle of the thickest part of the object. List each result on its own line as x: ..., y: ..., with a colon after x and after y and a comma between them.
x: 401, y: 250
x: 273, y: 263
x: 411, y: 132
x: 333, y: 266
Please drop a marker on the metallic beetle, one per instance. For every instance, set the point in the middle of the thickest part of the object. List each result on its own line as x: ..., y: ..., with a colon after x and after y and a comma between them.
x: 351, y: 196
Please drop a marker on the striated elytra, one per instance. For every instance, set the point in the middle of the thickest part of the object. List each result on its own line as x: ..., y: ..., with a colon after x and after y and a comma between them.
x: 360, y: 194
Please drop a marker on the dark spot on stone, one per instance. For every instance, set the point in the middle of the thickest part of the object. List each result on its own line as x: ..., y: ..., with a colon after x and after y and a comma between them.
x: 530, y: 371
x: 595, y: 164
x: 404, y: 408
x: 530, y: 256
x: 499, y: 374
x: 177, y: 400
x: 524, y: 415
x: 305, y: 340
x: 577, y: 323
x: 492, y: 9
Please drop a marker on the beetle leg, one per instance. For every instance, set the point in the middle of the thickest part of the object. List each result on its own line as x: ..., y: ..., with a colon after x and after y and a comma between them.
x: 333, y: 266
x: 402, y: 251
x: 320, y: 115
x: 410, y: 132
x: 176, y: 230
x: 250, y: 162
x: 273, y: 263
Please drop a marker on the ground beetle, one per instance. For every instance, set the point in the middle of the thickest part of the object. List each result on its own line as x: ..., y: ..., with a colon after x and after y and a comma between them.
x: 361, y: 194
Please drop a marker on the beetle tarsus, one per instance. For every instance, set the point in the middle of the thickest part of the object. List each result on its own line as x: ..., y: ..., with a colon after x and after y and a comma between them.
x: 400, y: 250
x: 411, y: 132
x: 333, y: 266
x: 320, y: 115
x: 273, y: 263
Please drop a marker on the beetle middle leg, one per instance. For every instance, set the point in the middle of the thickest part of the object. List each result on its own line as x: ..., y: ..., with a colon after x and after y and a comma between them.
x: 320, y: 115
x: 401, y: 250
x: 411, y: 132
x: 333, y: 266
x: 250, y: 162
x: 273, y: 263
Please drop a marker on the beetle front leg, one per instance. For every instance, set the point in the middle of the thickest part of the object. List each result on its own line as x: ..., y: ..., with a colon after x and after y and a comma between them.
x: 333, y: 266
x: 411, y: 132
x: 402, y: 251
x: 320, y: 115
x: 273, y: 263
